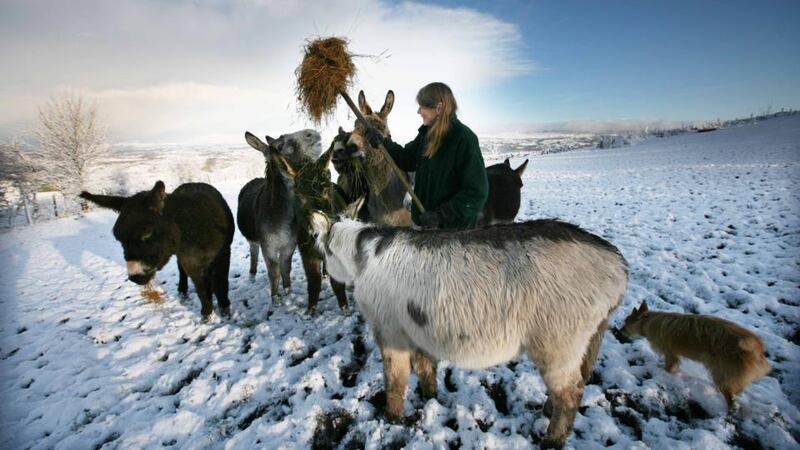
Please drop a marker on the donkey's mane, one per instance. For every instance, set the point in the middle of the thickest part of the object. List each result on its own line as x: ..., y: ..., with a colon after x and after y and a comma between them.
x: 495, y: 235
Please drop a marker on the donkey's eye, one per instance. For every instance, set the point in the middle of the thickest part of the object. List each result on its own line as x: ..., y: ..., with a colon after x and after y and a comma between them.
x: 146, y: 236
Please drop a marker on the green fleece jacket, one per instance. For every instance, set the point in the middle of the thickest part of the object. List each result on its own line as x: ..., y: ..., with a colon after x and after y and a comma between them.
x: 452, y: 182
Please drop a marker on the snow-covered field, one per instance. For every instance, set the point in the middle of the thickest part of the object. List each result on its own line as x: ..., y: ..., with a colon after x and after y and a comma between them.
x: 708, y: 222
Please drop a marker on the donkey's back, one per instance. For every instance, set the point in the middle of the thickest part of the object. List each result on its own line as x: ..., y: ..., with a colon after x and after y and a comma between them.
x: 479, y: 297
x: 248, y: 206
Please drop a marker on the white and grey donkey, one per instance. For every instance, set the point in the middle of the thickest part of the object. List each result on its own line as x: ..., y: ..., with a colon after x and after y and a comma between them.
x: 266, y: 213
x: 481, y: 297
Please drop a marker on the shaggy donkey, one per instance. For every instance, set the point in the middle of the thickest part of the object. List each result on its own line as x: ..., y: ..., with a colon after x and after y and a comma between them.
x: 193, y: 222
x: 267, y: 215
x: 352, y: 183
x: 505, y: 183
x: 385, y: 204
x: 480, y: 297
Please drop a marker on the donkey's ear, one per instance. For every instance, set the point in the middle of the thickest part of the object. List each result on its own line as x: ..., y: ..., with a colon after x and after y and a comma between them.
x: 643, y: 308
x: 521, y: 169
x: 387, y: 105
x: 256, y: 143
x: 341, y: 131
x: 284, y: 165
x: 158, y: 195
x: 273, y: 142
x: 507, y: 162
x: 351, y: 212
x: 106, y: 201
x: 363, y: 105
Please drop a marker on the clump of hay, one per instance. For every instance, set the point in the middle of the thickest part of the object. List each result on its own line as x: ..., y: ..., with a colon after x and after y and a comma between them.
x: 153, y: 293
x: 327, y: 69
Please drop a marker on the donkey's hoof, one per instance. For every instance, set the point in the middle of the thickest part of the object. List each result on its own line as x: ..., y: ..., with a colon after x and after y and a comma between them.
x: 225, y: 311
x: 206, y: 318
x: 548, y: 443
x: 311, y: 311
x: 276, y: 299
x: 396, y: 419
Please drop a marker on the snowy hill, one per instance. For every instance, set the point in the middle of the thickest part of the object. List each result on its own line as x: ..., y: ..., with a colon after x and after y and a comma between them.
x: 708, y: 223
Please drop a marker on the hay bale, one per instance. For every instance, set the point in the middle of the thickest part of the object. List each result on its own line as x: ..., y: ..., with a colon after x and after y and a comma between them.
x: 326, y: 70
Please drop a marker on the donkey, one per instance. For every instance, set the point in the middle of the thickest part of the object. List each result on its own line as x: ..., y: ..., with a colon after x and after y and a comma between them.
x: 347, y: 159
x: 384, y: 203
x: 505, y: 183
x: 193, y: 222
x: 267, y: 216
x: 479, y: 297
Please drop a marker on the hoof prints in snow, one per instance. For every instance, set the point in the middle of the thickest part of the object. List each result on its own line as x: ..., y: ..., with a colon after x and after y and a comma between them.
x: 78, y: 341
x: 331, y: 428
x: 277, y: 410
x: 349, y: 373
x: 187, y: 380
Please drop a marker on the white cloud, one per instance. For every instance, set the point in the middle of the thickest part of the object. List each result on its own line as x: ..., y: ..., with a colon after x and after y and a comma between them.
x: 187, y: 70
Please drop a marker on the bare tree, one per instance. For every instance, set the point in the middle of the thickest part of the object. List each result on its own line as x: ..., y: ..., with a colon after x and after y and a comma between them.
x: 19, y: 179
x: 72, y: 142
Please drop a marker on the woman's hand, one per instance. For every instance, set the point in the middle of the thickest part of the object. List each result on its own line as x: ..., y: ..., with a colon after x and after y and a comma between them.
x: 373, y: 136
x: 430, y: 219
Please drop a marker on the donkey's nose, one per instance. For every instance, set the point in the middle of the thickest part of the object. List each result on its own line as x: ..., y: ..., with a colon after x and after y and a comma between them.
x: 140, y: 278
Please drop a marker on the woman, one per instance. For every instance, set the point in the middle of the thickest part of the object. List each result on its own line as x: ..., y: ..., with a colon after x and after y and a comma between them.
x: 450, y: 176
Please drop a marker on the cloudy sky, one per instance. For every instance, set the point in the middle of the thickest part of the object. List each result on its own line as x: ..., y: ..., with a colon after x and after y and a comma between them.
x: 205, y: 71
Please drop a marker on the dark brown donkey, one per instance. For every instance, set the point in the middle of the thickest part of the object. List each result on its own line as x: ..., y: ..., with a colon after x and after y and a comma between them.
x: 193, y: 222
x: 503, y: 202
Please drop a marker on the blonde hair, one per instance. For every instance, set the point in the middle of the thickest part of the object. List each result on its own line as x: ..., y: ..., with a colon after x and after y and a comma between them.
x: 430, y: 96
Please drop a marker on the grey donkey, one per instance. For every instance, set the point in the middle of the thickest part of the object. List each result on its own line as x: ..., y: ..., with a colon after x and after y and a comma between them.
x: 479, y: 298
x: 268, y: 215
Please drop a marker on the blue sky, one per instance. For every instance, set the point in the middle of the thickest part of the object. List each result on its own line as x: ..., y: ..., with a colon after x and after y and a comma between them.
x: 205, y: 70
x: 675, y: 60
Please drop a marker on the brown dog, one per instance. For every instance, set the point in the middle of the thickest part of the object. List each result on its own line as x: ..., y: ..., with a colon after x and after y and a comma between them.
x: 733, y: 355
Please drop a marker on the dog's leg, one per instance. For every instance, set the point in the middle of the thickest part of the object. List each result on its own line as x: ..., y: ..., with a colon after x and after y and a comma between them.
x: 671, y: 362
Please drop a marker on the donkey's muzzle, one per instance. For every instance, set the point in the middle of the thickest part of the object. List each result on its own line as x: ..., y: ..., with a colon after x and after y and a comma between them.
x: 141, y: 279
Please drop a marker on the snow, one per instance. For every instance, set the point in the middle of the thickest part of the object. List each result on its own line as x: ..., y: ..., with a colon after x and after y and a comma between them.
x: 708, y: 223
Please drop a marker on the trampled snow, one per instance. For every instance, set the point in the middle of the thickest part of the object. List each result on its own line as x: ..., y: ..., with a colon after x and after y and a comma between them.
x: 708, y: 223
